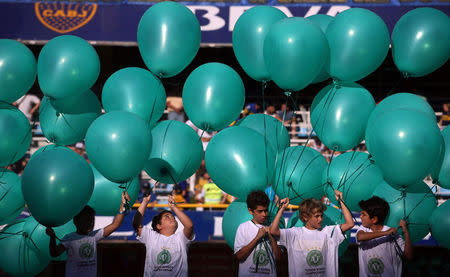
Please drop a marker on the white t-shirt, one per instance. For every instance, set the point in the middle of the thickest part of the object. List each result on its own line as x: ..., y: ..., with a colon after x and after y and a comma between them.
x: 26, y: 102
x: 82, y: 253
x: 312, y: 252
x: 261, y: 261
x: 378, y: 257
x: 166, y: 256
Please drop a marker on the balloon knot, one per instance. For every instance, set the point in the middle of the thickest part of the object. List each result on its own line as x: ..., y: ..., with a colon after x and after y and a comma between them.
x: 287, y: 93
x: 336, y: 83
x: 289, y: 184
x: 25, y: 234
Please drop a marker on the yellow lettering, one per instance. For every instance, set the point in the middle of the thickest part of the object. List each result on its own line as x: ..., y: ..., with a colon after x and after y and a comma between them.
x: 59, y: 13
x: 72, y: 13
x: 47, y: 13
x: 83, y: 14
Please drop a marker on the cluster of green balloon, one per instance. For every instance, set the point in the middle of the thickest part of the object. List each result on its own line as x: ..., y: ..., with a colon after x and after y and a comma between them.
x: 248, y: 39
x: 16, y: 134
x: 415, y: 204
x: 295, y: 50
x: 11, y: 198
x: 17, y: 71
x: 56, y: 185
x: 239, y: 162
x: 322, y: 20
x: 235, y: 214
x: 118, y: 144
x: 359, y: 42
x: 440, y: 172
x: 67, y: 65
x: 421, y: 41
x: 213, y: 96
x: 355, y: 175
x: 67, y: 123
x: 331, y: 216
x: 298, y: 174
x: 168, y: 38
x: 20, y: 257
x: 135, y: 90
x: 404, y: 144
x: 339, y: 114
x: 440, y: 224
x: 177, y: 152
x: 107, y: 196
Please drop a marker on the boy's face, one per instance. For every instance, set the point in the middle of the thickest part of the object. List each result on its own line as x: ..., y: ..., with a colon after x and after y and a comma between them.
x: 366, y: 221
x: 259, y: 214
x: 168, y: 222
x: 315, y: 220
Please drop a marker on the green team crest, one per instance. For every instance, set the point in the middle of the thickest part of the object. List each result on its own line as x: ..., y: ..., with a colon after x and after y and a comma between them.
x: 314, y: 258
x: 164, y: 257
x: 86, y: 251
x: 375, y: 266
x: 261, y: 258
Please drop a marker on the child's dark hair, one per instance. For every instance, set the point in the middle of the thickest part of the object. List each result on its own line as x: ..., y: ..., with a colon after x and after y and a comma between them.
x: 157, y: 220
x: 308, y: 207
x: 257, y: 198
x: 375, y: 206
x: 84, y: 220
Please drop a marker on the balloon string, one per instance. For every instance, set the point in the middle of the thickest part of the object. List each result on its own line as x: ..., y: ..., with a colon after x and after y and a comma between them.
x: 423, y: 199
x: 403, y: 76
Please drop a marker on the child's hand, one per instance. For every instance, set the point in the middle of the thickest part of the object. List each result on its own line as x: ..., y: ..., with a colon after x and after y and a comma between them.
x: 261, y: 232
x: 171, y: 202
x: 49, y: 231
x: 125, y: 197
x: 392, y: 231
x: 284, y: 203
x: 402, y: 224
x: 338, y: 195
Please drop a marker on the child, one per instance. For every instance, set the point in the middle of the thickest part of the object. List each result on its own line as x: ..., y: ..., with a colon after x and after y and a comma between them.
x: 81, y: 246
x: 166, y: 250
x: 312, y: 250
x: 255, y: 248
x: 379, y: 247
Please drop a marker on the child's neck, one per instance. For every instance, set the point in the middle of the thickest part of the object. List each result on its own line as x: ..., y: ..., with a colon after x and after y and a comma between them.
x: 166, y: 232
x: 376, y: 227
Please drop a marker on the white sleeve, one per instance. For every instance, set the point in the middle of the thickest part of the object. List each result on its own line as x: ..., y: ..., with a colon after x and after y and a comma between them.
x: 145, y: 234
x: 286, y: 234
x: 361, y: 228
x: 183, y: 238
x: 241, y: 239
x: 335, y: 233
x: 98, y: 234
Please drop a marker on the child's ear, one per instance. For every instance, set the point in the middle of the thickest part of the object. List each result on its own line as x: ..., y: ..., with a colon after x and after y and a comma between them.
x: 374, y: 220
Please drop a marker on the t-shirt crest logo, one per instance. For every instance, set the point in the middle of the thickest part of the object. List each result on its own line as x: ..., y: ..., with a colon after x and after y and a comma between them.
x: 62, y: 17
x: 375, y: 266
x: 164, y: 257
x: 260, y: 258
x: 314, y: 258
x: 86, y: 251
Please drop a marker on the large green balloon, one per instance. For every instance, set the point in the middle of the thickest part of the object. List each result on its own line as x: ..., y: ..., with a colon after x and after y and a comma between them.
x: 67, y: 65
x: 135, y: 90
x: 15, y: 138
x: 248, y: 39
x: 68, y: 126
x: 11, y: 198
x: 239, y: 161
x: 168, y: 38
x: 47, y: 148
x: 404, y: 144
x: 396, y: 101
x: 421, y: 41
x: 359, y: 43
x: 20, y: 257
x: 295, y: 50
x: 213, y: 96
x: 118, y: 144
x: 298, y: 174
x: 17, y: 70
x: 354, y: 175
x: 440, y: 224
x: 441, y: 169
x: 236, y: 214
x: 416, y: 204
x: 107, y: 196
x: 177, y: 152
x: 339, y: 115
x: 56, y: 185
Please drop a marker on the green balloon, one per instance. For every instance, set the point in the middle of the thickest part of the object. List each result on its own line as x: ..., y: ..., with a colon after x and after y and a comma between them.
x: 339, y: 115
x: 353, y: 174
x: 236, y: 214
x: 11, y: 198
x: 64, y: 128
x: 118, y: 144
x: 322, y: 20
x: 19, y: 256
x: 67, y: 65
x: 17, y: 70
x: 213, y: 96
x: 47, y: 148
x: 298, y: 174
x: 359, y: 42
x: 56, y: 185
x: 239, y: 161
x: 404, y: 145
x: 295, y: 50
x: 135, y: 90
x: 440, y: 171
x: 440, y: 224
x: 168, y: 38
x: 177, y: 152
x: 15, y: 138
x: 248, y: 39
x: 416, y: 204
x: 421, y: 41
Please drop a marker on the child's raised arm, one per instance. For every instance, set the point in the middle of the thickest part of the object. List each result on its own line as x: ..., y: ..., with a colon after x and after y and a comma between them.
x: 137, y: 219
x: 274, y: 229
x: 108, y: 230
x: 408, y: 252
x: 185, y: 220
x: 347, y: 214
x: 55, y: 250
